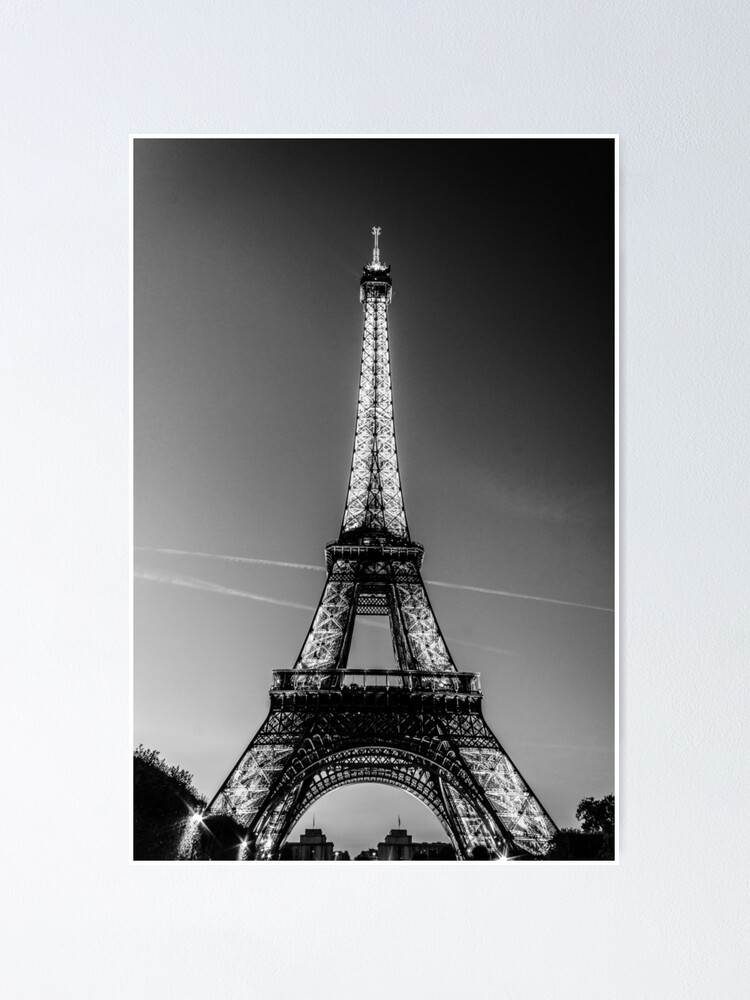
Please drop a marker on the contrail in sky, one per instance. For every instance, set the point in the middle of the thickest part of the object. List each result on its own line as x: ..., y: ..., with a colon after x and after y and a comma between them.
x: 234, y: 559
x: 525, y: 597
x: 321, y: 569
x: 193, y: 583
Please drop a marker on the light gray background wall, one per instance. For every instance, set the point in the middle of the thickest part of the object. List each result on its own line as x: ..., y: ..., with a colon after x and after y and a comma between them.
x: 669, y: 921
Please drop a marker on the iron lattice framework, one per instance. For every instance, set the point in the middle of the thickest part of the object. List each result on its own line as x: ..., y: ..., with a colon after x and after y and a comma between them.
x: 418, y: 727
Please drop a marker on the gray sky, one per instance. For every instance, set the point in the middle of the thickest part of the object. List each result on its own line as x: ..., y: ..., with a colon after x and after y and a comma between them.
x: 247, y: 338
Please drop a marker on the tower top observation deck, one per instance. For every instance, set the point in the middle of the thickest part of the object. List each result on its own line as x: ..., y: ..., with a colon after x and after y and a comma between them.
x: 376, y: 276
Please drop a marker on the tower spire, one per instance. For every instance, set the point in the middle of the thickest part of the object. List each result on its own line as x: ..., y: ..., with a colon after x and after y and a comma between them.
x: 376, y: 231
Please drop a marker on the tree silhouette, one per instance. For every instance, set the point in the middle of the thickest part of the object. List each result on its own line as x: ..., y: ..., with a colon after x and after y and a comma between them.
x: 595, y: 841
x: 597, y: 815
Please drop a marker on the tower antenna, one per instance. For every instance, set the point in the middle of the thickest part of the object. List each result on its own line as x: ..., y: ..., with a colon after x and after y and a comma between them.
x: 376, y: 231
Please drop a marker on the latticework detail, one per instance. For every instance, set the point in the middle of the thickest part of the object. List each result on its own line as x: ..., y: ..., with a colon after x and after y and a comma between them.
x: 443, y: 752
x: 520, y: 811
x: 427, y: 645
x: 323, y: 645
x: 374, y: 501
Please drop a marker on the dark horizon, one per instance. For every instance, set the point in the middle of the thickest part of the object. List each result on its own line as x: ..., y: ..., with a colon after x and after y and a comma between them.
x: 247, y: 257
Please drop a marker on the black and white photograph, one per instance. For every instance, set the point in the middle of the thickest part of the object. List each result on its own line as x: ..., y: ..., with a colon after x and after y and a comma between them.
x: 374, y: 522
x: 375, y: 426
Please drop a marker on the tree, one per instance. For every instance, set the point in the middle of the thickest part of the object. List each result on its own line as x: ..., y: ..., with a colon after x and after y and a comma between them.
x: 575, y: 845
x: 595, y: 841
x: 597, y: 815
x: 181, y: 777
x: 165, y: 805
x: 163, y: 799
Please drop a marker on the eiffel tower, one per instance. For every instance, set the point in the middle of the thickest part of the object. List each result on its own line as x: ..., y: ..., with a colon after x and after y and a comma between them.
x: 418, y: 727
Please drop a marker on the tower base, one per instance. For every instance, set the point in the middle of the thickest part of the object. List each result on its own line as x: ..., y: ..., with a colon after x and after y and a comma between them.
x: 424, y: 734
